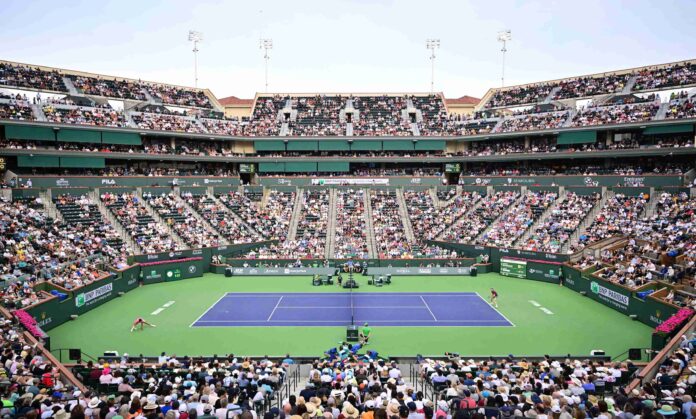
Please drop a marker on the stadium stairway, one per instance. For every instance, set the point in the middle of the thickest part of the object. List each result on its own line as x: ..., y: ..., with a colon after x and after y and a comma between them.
x: 436, y: 200
x: 651, y: 208
x: 585, y: 224
x: 109, y: 216
x: 179, y: 241
x: 209, y: 228
x: 296, y: 212
x: 542, y: 218
x: 629, y: 85
x: 38, y: 112
x: 51, y: 210
x: 551, y: 95
x: 71, y: 87
x: 660, y: 115
x: 372, y: 245
x: 571, y: 114
x: 405, y: 219
x: 331, y: 228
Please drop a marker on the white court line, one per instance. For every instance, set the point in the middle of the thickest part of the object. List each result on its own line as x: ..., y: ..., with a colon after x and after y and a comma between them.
x: 489, y: 305
x: 546, y: 310
x: 534, y: 303
x: 428, y: 307
x: 274, y: 309
x: 168, y: 304
x: 209, y: 308
x: 330, y: 307
x: 336, y: 321
x: 158, y: 311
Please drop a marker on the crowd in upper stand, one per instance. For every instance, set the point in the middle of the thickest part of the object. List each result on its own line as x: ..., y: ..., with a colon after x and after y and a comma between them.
x: 36, y: 78
x: 676, y: 75
x: 615, y: 115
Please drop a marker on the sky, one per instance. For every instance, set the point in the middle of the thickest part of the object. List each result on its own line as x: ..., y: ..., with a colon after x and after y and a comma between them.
x: 361, y: 46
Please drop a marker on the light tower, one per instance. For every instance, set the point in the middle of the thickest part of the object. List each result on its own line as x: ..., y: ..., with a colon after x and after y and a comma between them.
x: 195, y: 37
x: 432, y: 45
x: 266, y: 44
x: 504, y: 37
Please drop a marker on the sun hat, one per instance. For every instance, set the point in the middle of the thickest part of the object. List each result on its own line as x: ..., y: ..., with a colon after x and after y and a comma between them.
x: 667, y: 410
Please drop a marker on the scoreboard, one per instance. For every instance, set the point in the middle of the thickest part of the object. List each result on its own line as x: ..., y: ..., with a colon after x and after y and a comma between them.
x: 514, y: 268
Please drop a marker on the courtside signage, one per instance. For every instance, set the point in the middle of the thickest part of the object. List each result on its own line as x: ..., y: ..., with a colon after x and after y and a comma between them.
x: 513, y: 268
x: 89, y: 297
x: 608, y: 295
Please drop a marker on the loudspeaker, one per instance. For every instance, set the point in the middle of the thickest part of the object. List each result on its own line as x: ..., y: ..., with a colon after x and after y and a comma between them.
x: 74, y: 354
x: 634, y: 354
x: 583, y: 293
x: 352, y: 333
x: 228, y: 272
x: 473, y: 271
x: 633, y: 316
x: 597, y: 352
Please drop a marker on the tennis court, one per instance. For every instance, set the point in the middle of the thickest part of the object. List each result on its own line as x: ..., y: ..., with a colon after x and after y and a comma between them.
x: 337, y: 309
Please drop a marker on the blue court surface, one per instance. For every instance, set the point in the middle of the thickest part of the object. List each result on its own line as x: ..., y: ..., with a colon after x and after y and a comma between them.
x: 334, y: 309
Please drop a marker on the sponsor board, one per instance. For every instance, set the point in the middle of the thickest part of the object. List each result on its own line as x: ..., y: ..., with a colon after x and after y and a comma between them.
x: 356, y: 181
x: 91, y: 297
x: 610, y: 296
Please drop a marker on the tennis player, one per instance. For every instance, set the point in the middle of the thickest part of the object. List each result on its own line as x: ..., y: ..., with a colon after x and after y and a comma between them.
x: 141, y: 322
x: 494, y: 298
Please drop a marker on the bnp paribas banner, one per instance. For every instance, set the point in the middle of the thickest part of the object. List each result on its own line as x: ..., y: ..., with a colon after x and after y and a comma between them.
x: 86, y: 299
x: 612, y: 297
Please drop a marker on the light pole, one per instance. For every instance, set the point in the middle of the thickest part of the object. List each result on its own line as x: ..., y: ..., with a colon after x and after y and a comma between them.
x: 266, y: 44
x: 504, y: 37
x: 432, y: 45
x: 195, y: 37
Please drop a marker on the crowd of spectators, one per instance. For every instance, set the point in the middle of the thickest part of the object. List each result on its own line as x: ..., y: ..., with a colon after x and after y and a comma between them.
x: 380, y: 116
x: 534, y: 122
x: 16, y: 110
x: 31, y: 77
x: 483, y: 212
x: 350, y: 240
x: 389, y: 231
x: 618, y: 215
x: 163, y: 122
x: 174, y: 211
x: 616, y: 114
x: 519, y: 217
x: 312, y: 226
x: 220, y: 218
x: 563, y: 220
x: 179, y: 96
x: 682, y: 109
x: 97, y: 86
x: 318, y: 115
x: 136, y: 219
x: 680, y: 74
x: 85, y: 116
